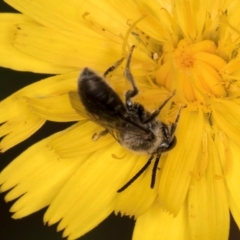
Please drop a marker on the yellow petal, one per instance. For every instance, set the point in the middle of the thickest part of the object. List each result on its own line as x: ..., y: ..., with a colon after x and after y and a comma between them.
x: 50, y: 87
x: 56, y: 109
x: 191, y: 17
x: 205, y: 46
x: 232, y: 182
x: 77, y: 105
x: 36, y: 175
x: 13, y: 58
x: 211, y: 78
x: 19, y: 128
x: 208, y: 201
x: 102, y: 17
x: 229, y: 32
x: 229, y: 121
x: 186, y: 81
x: 67, y: 49
x: 77, y: 141
x: 175, y: 175
x: 71, y: 12
x: 159, y: 21
x: 211, y: 59
x: 77, y: 46
x: 133, y: 11
x: 162, y: 73
x: 157, y: 224
x: 232, y: 68
x: 89, y: 195
x: 29, y: 110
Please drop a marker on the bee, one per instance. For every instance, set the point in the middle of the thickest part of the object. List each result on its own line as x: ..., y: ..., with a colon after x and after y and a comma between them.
x: 128, y: 122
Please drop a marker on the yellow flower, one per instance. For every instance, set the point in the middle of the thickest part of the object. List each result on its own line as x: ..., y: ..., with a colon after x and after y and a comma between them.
x: 187, y: 45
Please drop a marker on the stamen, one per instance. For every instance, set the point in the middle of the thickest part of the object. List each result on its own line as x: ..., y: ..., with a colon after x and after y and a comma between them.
x: 227, y: 155
x: 204, y: 156
x: 126, y: 37
x: 193, y: 69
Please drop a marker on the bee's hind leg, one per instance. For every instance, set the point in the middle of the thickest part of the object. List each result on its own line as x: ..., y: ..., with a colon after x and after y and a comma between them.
x: 96, y: 136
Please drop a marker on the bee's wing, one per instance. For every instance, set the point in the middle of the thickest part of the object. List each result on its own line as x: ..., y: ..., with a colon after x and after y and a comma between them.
x: 118, y: 127
x: 114, y: 124
x: 76, y: 104
x: 122, y: 127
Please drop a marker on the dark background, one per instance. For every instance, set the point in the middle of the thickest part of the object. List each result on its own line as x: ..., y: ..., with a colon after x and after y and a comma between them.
x: 32, y: 227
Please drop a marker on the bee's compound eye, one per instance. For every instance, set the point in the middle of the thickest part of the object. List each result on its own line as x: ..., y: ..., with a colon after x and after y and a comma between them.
x: 172, y: 143
x: 166, y: 146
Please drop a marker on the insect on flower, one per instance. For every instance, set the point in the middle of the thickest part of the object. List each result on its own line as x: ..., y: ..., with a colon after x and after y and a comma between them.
x: 129, y: 123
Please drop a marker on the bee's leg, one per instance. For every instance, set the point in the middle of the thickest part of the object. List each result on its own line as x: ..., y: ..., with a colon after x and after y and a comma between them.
x: 154, y: 171
x: 157, y: 111
x: 96, y: 136
x: 129, y: 76
x: 137, y: 175
x: 113, y: 67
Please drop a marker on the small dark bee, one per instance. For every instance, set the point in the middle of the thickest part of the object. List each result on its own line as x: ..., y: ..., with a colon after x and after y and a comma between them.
x: 129, y: 123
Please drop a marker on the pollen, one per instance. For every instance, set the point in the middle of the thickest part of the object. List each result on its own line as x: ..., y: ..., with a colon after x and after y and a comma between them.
x: 193, y: 69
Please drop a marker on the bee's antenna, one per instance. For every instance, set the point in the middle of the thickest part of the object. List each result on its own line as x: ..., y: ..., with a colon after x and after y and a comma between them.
x: 174, y: 125
x: 157, y: 111
x: 137, y: 175
x: 154, y: 171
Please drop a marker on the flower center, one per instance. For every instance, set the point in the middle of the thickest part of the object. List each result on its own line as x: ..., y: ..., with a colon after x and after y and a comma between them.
x: 184, y: 59
x: 193, y: 69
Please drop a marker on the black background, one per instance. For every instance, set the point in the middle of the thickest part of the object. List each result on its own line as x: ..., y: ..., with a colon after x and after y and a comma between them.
x: 32, y: 227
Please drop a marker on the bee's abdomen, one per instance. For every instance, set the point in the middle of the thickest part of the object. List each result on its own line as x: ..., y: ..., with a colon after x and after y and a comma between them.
x: 96, y: 95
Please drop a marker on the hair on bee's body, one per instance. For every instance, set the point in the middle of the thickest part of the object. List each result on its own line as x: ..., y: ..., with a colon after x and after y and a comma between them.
x: 129, y: 123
